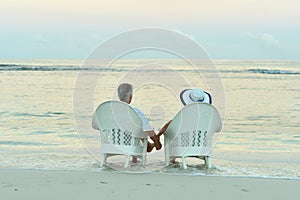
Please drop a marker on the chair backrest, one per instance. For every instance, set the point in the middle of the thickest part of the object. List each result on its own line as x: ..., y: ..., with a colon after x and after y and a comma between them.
x: 119, y: 123
x: 194, y: 126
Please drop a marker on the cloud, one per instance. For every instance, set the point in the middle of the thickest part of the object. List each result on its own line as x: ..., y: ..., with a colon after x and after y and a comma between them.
x: 39, y: 39
x: 90, y: 41
x: 263, y: 39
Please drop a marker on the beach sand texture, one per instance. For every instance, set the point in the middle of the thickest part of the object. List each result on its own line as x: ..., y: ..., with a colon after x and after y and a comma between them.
x: 35, y: 184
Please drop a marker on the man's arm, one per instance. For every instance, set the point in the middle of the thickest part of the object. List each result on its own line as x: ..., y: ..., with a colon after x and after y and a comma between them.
x: 148, y: 129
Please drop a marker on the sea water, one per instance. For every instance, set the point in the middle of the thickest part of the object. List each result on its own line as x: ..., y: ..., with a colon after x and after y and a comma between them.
x: 261, y: 126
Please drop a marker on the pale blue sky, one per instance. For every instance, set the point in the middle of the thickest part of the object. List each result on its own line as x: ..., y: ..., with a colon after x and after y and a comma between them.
x: 227, y: 29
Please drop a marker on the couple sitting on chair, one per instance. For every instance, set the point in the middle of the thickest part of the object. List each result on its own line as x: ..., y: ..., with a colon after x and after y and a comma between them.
x: 125, y: 94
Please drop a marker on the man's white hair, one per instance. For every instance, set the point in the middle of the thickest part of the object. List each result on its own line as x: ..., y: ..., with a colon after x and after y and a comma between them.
x: 124, y: 91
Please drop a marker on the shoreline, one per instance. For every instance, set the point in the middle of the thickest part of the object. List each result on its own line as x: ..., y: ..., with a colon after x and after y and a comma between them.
x: 52, y: 184
x: 152, y: 173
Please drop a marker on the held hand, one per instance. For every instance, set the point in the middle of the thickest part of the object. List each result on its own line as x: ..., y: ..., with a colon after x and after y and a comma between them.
x: 156, y: 141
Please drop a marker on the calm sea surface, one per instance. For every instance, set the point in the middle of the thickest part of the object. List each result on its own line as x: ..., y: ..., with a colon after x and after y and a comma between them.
x: 261, y: 130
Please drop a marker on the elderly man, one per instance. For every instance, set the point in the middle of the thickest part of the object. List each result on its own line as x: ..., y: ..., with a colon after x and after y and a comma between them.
x: 125, y: 94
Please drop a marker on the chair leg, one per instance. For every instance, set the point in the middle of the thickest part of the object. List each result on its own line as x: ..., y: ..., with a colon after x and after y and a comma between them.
x: 167, y: 155
x: 103, y: 159
x: 127, y: 161
x: 207, y: 162
x: 167, y: 160
x: 144, y: 159
x: 144, y: 155
x: 184, y: 162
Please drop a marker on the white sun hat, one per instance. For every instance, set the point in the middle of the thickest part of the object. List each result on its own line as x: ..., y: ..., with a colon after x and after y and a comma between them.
x: 188, y: 96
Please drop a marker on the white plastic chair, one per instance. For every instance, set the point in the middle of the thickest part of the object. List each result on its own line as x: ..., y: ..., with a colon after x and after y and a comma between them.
x: 121, y: 132
x: 191, y: 132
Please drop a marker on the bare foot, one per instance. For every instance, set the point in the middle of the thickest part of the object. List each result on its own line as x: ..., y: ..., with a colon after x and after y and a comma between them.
x: 134, y: 159
x: 150, y: 147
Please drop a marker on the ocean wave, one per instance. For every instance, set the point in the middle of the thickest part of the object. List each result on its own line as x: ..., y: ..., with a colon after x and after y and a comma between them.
x: 23, y: 114
x: 7, y: 65
x: 273, y: 71
x: 13, y: 67
x: 263, y: 71
x: 21, y: 67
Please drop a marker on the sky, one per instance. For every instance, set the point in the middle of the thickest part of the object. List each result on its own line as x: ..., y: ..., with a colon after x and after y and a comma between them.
x: 226, y: 29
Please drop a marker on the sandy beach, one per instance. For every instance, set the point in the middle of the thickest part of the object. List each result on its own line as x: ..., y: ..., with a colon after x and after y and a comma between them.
x: 35, y: 184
